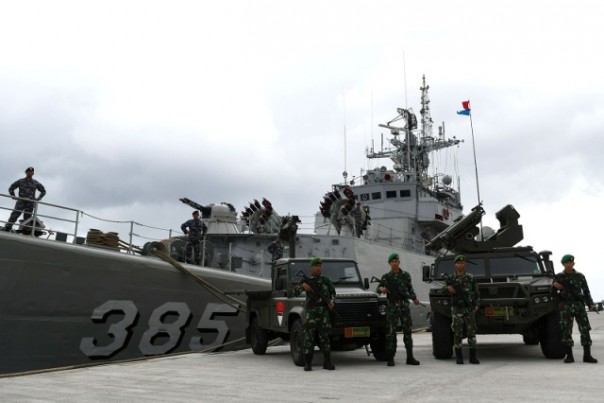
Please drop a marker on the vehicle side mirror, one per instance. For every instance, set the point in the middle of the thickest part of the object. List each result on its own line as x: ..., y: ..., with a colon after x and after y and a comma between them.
x: 366, y: 283
x: 426, y: 273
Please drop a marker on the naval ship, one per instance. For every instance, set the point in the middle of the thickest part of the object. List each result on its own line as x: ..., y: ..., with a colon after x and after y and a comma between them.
x: 68, y: 300
x: 398, y: 206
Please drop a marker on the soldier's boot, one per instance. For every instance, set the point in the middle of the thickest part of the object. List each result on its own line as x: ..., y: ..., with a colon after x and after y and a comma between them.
x: 587, y: 355
x: 459, y: 356
x: 327, y: 361
x: 569, y: 355
x: 473, y: 359
x: 410, y: 359
x: 308, y: 362
x: 390, y: 360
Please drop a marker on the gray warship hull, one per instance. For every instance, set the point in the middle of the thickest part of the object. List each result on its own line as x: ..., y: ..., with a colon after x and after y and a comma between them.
x: 67, y: 305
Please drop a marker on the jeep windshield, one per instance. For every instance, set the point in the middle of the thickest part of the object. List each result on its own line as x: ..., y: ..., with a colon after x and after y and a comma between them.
x: 494, y: 266
x: 338, y: 272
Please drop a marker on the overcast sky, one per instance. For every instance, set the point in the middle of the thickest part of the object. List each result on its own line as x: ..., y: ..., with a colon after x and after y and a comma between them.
x: 123, y: 107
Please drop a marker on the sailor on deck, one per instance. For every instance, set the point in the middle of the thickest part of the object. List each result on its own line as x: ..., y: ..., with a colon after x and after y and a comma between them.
x: 27, y: 192
x: 195, y: 229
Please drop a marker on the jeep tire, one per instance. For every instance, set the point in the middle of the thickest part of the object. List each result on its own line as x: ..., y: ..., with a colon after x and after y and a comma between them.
x: 296, y: 342
x: 259, y: 338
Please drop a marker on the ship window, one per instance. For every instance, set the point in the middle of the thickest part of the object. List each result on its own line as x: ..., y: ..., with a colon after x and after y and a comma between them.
x: 335, y: 241
x: 405, y: 193
x: 390, y: 194
x: 376, y: 195
x: 365, y: 197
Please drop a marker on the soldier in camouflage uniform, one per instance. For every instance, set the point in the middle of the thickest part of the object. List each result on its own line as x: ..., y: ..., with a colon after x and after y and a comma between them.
x: 195, y: 229
x: 573, y: 294
x: 27, y: 190
x: 318, y: 320
x: 396, y: 284
x: 464, y: 305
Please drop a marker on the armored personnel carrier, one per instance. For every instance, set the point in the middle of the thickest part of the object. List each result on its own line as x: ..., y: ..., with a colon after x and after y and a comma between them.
x: 514, y: 283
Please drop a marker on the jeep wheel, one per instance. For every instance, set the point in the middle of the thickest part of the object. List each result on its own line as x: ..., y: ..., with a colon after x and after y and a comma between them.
x: 378, y: 345
x: 531, y: 337
x: 259, y: 338
x: 551, y: 336
x: 296, y: 342
x: 442, y: 336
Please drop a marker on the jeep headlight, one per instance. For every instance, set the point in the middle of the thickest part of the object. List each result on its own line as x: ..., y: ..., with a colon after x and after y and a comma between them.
x: 445, y: 302
x: 537, y: 300
x: 382, y: 309
x: 545, y: 298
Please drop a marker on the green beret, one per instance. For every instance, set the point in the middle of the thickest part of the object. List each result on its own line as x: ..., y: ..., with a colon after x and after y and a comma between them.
x: 392, y: 256
x: 567, y: 258
x: 460, y: 258
x: 315, y: 261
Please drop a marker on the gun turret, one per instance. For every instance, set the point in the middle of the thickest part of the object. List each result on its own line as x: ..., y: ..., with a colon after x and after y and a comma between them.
x: 460, y: 237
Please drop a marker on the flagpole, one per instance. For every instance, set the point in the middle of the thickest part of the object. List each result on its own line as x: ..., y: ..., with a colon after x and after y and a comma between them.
x: 475, y: 168
x: 475, y: 163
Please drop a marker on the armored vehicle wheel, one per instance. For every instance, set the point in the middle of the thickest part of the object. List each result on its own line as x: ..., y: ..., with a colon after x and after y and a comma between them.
x: 442, y: 336
x: 259, y: 338
x: 378, y: 346
x: 296, y: 340
x: 551, y: 336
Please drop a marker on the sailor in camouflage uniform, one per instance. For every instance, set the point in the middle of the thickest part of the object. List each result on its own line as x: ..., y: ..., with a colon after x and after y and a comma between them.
x: 573, y: 294
x: 275, y: 248
x: 464, y: 305
x: 318, y: 320
x: 27, y: 190
x: 396, y: 284
x: 195, y: 229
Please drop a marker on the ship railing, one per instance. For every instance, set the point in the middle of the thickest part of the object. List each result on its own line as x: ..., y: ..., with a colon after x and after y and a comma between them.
x: 65, y: 222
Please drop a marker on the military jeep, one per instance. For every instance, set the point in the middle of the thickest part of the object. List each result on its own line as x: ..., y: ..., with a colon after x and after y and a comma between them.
x: 514, y: 284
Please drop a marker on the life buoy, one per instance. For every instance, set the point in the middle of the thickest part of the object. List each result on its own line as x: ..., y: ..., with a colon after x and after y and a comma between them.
x: 446, y: 213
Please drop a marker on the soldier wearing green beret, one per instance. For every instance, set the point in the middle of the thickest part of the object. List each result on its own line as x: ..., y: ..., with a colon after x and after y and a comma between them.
x: 464, y: 305
x: 396, y: 284
x: 573, y: 294
x: 318, y: 320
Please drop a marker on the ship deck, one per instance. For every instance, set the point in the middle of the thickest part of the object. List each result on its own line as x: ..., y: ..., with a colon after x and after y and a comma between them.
x: 509, y: 371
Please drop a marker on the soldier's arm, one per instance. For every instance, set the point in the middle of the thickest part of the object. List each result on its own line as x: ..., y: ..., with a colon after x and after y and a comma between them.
x: 410, y: 290
x: 183, y: 227
x: 15, y: 185
x: 586, y: 294
x: 41, y: 189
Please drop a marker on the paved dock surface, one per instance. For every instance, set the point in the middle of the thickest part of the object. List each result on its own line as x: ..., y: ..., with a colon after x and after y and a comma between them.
x: 509, y: 371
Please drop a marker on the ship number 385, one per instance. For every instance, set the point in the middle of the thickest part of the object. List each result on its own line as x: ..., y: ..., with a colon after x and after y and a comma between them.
x: 121, y: 331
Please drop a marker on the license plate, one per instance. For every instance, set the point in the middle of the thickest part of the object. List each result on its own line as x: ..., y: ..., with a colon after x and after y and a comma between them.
x: 498, y: 311
x: 363, y: 331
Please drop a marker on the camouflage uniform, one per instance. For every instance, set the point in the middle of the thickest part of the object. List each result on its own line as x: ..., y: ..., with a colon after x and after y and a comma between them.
x: 275, y: 249
x: 27, y: 189
x: 400, y: 292
x: 318, y: 319
x: 463, y: 305
x: 573, y: 299
x: 196, y: 230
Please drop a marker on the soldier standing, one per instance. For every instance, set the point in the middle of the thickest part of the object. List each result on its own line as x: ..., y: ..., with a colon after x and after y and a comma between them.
x: 195, y: 229
x: 464, y: 305
x: 320, y: 299
x: 573, y: 293
x: 27, y: 192
x: 397, y: 286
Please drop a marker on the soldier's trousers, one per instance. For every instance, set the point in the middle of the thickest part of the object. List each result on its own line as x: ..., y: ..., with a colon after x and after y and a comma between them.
x: 568, y: 312
x: 395, y: 311
x: 318, y: 323
x: 192, y: 251
x: 463, y: 317
x: 21, y: 206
